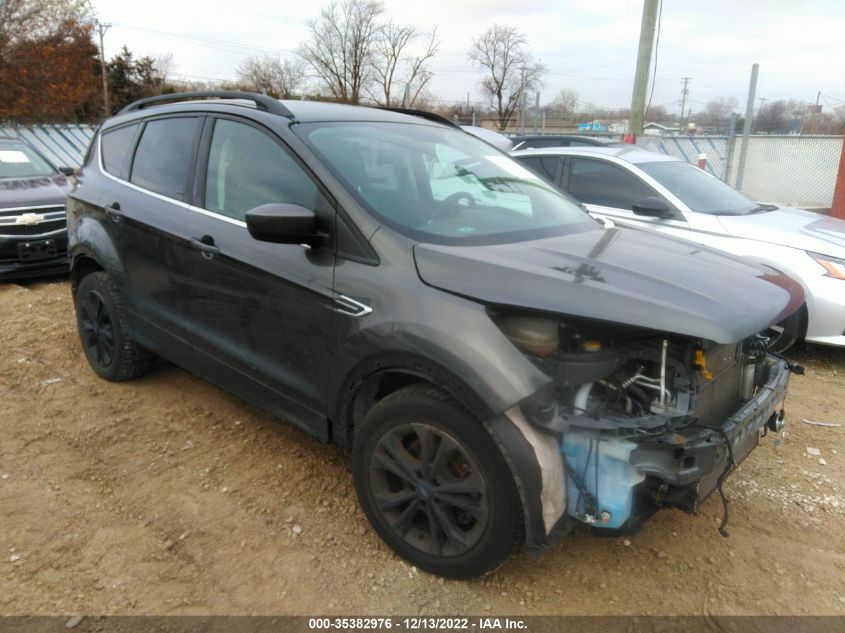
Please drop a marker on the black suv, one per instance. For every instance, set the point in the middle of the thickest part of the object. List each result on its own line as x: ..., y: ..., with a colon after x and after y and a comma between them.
x: 33, y: 237
x: 500, y: 366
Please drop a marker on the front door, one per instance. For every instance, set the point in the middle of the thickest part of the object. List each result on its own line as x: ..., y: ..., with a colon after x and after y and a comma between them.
x: 261, y: 312
x: 609, y: 190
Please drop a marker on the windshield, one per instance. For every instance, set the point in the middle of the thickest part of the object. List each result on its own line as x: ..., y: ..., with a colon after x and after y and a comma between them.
x: 18, y: 160
x: 698, y: 190
x: 442, y: 185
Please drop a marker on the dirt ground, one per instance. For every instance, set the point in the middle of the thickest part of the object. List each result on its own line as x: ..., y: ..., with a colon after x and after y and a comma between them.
x: 167, y: 496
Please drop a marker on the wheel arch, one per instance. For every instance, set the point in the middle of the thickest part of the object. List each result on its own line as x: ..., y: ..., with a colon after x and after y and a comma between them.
x: 83, y: 264
x: 379, y: 376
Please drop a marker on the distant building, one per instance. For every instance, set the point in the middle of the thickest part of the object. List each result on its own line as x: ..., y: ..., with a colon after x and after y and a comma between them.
x: 592, y: 126
x: 618, y: 127
x: 655, y: 129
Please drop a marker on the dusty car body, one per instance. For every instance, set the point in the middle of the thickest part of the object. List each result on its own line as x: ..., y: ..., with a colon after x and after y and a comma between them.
x: 33, y: 235
x: 500, y: 365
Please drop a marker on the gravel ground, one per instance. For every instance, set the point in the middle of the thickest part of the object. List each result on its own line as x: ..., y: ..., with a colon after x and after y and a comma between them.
x: 167, y: 496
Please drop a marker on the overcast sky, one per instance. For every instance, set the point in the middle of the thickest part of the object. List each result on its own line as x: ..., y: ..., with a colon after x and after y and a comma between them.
x: 587, y: 45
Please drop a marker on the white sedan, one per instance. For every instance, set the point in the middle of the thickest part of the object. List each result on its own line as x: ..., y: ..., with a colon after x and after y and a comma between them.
x: 636, y: 187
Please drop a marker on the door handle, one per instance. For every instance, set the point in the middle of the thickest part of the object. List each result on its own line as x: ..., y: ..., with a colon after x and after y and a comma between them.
x: 205, y: 245
x: 112, y: 211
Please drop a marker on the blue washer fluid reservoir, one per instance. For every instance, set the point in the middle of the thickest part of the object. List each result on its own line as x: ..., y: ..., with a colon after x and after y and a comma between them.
x: 600, y: 469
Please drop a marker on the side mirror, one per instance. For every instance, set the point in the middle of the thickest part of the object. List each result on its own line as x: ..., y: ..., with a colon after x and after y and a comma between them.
x: 283, y: 224
x: 67, y: 171
x: 653, y: 206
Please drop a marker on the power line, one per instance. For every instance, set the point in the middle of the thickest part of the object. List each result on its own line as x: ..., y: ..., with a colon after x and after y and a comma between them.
x: 210, y: 42
x: 832, y: 97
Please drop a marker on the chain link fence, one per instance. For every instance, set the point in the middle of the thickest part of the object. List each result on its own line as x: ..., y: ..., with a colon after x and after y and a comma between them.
x: 793, y: 170
x: 62, y: 145
x: 798, y: 171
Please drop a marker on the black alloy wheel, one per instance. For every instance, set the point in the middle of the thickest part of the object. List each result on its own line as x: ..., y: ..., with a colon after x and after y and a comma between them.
x: 105, y: 332
x: 435, y: 485
x: 429, y: 489
x: 97, y: 328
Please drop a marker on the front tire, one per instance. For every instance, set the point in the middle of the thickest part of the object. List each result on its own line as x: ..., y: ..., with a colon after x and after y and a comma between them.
x: 785, y: 334
x: 105, y: 332
x: 434, y: 484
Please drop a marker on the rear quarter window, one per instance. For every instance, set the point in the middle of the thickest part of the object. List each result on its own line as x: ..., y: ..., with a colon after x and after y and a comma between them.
x: 115, y: 146
x: 164, y: 157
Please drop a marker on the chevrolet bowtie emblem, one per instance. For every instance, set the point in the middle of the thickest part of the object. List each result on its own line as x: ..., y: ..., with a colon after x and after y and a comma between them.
x: 30, y: 218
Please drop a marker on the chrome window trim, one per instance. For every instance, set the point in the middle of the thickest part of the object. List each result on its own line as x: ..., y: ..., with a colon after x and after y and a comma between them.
x: 154, y: 194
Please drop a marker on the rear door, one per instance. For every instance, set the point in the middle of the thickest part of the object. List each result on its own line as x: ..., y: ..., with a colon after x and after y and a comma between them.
x: 150, y: 219
x: 261, y: 312
x: 609, y: 190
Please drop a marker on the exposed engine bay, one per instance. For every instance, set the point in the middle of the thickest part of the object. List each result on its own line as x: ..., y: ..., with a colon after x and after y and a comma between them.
x: 645, y: 420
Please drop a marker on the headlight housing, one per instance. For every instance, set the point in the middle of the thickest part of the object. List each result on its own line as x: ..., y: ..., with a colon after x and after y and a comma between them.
x: 833, y: 266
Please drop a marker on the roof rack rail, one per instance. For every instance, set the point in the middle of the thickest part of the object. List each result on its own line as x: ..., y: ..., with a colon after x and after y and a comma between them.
x: 423, y: 114
x: 262, y: 102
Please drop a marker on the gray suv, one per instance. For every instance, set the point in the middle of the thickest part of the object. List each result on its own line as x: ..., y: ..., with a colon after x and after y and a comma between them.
x: 500, y: 366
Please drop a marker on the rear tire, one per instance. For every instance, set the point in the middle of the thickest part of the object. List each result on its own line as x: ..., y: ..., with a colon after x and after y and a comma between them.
x: 434, y: 484
x: 104, y: 330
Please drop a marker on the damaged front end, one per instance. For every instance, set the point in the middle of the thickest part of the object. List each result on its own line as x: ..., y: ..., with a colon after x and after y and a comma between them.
x: 635, y: 420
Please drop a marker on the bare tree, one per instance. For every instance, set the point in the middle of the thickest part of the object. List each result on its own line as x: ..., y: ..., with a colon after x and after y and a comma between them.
x: 774, y: 116
x: 340, y: 47
x: 418, y: 72
x: 393, y: 64
x: 164, y: 66
x: 272, y: 75
x: 34, y: 19
x: 717, y: 110
x: 502, y: 52
x: 387, y: 54
x: 564, y: 103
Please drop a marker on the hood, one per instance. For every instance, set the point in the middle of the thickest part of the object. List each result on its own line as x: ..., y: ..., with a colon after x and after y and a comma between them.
x: 31, y: 192
x: 791, y: 227
x: 620, y: 275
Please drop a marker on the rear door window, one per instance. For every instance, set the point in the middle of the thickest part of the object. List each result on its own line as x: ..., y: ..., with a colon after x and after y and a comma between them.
x: 165, y: 155
x: 115, y: 146
x: 248, y: 168
x: 598, y: 182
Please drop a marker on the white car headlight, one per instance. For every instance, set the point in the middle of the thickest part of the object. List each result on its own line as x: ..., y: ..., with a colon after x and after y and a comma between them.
x: 835, y: 267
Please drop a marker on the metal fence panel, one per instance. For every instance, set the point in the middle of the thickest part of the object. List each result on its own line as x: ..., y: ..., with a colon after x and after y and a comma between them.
x: 796, y: 170
x: 792, y: 170
x: 63, y: 145
x: 689, y: 147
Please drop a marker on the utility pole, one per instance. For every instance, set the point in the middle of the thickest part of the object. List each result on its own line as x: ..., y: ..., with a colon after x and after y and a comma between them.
x: 746, y: 126
x: 684, y: 93
x: 536, y: 111
x: 101, y: 29
x: 644, y: 51
x: 815, y: 113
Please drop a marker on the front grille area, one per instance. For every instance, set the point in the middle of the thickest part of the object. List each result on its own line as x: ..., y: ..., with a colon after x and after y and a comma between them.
x: 721, y: 397
x: 32, y: 221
